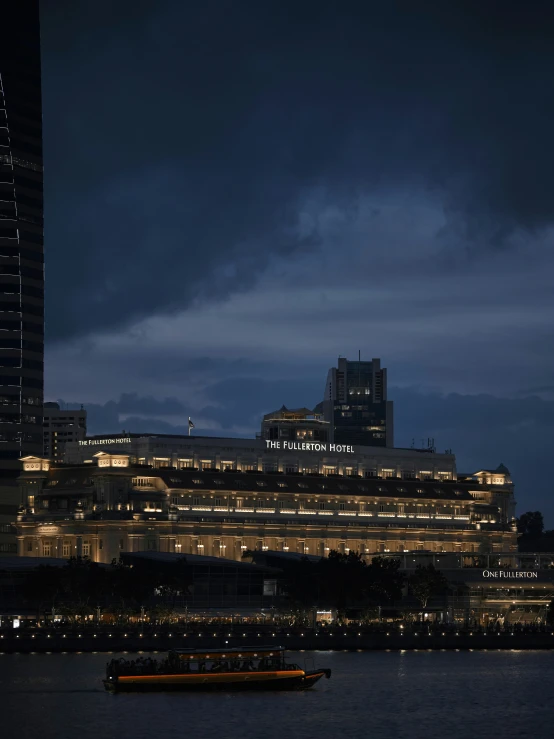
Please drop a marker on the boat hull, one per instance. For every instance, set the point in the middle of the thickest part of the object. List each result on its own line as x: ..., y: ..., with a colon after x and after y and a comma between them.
x: 221, y: 683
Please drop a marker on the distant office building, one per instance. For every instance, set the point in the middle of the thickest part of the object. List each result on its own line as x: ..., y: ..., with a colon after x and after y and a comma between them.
x: 355, y: 404
x: 21, y: 249
x: 61, y: 426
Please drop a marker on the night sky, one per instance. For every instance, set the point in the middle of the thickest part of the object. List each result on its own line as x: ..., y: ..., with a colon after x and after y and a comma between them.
x: 236, y: 193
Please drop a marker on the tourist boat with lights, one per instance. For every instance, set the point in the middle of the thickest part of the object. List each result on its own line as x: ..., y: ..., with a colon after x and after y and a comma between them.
x: 240, y: 668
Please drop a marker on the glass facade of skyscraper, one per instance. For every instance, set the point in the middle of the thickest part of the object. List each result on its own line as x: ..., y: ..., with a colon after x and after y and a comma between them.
x: 21, y: 236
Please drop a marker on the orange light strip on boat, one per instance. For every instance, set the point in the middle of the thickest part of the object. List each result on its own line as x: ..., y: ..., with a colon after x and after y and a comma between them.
x: 273, y: 673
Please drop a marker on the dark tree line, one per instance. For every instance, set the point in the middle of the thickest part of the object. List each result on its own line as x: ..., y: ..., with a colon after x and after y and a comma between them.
x: 346, y: 581
x: 81, y: 586
x: 532, y: 535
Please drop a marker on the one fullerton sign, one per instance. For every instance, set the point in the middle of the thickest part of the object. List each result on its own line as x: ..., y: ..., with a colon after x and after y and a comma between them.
x: 310, y: 446
x: 510, y: 574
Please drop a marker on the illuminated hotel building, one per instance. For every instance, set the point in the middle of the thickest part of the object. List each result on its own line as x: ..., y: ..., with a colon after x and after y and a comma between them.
x: 21, y: 250
x: 221, y: 496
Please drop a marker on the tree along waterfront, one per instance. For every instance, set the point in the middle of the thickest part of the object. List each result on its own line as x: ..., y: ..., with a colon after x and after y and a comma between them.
x: 81, y: 590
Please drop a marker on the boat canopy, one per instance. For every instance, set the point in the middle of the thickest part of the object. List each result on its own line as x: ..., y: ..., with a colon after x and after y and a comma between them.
x: 228, y: 653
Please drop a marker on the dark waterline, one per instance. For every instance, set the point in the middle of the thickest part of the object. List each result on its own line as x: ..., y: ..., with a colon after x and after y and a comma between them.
x: 378, y: 695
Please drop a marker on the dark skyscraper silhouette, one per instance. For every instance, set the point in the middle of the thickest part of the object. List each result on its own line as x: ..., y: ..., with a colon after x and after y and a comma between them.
x: 21, y: 242
x: 356, y: 405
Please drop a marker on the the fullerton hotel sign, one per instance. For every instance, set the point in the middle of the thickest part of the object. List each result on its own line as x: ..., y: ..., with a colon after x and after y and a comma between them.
x: 310, y: 446
x: 103, y: 442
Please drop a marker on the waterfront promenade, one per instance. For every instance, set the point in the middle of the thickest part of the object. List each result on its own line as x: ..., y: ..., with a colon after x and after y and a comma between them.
x: 163, y: 638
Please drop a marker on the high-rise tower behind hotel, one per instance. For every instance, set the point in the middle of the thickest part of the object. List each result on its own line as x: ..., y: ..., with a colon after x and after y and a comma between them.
x: 356, y: 406
x: 21, y: 242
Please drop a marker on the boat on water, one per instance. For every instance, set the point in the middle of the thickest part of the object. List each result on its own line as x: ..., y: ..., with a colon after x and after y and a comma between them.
x: 237, y: 668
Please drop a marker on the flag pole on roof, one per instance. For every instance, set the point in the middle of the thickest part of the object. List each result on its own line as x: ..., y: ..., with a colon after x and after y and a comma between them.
x: 191, y: 425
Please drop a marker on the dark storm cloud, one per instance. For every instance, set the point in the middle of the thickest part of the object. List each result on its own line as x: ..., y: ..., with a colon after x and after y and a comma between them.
x: 181, y: 138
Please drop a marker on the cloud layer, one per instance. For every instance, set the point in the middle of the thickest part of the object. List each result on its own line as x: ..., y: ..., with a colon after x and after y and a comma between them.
x: 182, y: 145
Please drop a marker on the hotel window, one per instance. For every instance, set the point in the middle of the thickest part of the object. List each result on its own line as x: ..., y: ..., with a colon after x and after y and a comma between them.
x: 228, y: 466
x: 250, y: 467
x: 342, y: 507
x: 400, y: 508
x: 66, y: 549
x: 29, y: 546
x: 161, y: 462
x: 44, y: 503
x: 86, y: 549
x: 387, y: 473
x: 291, y: 469
x: 381, y: 508
x: 100, y: 544
x: 321, y: 506
x: 175, y: 499
x: 184, y: 464
x: 206, y: 464
x: 311, y: 470
x: 239, y: 502
x: 196, y: 500
x: 31, y: 501
x: 351, y: 471
x: 46, y: 549
x: 271, y: 467
x: 329, y: 470
x: 218, y: 502
x: 281, y: 504
x: 372, y: 472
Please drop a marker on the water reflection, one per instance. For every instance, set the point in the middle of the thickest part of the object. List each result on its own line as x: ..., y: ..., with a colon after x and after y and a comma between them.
x: 398, y: 695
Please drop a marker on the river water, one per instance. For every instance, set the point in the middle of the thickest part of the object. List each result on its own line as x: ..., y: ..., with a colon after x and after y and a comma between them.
x: 373, y: 695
